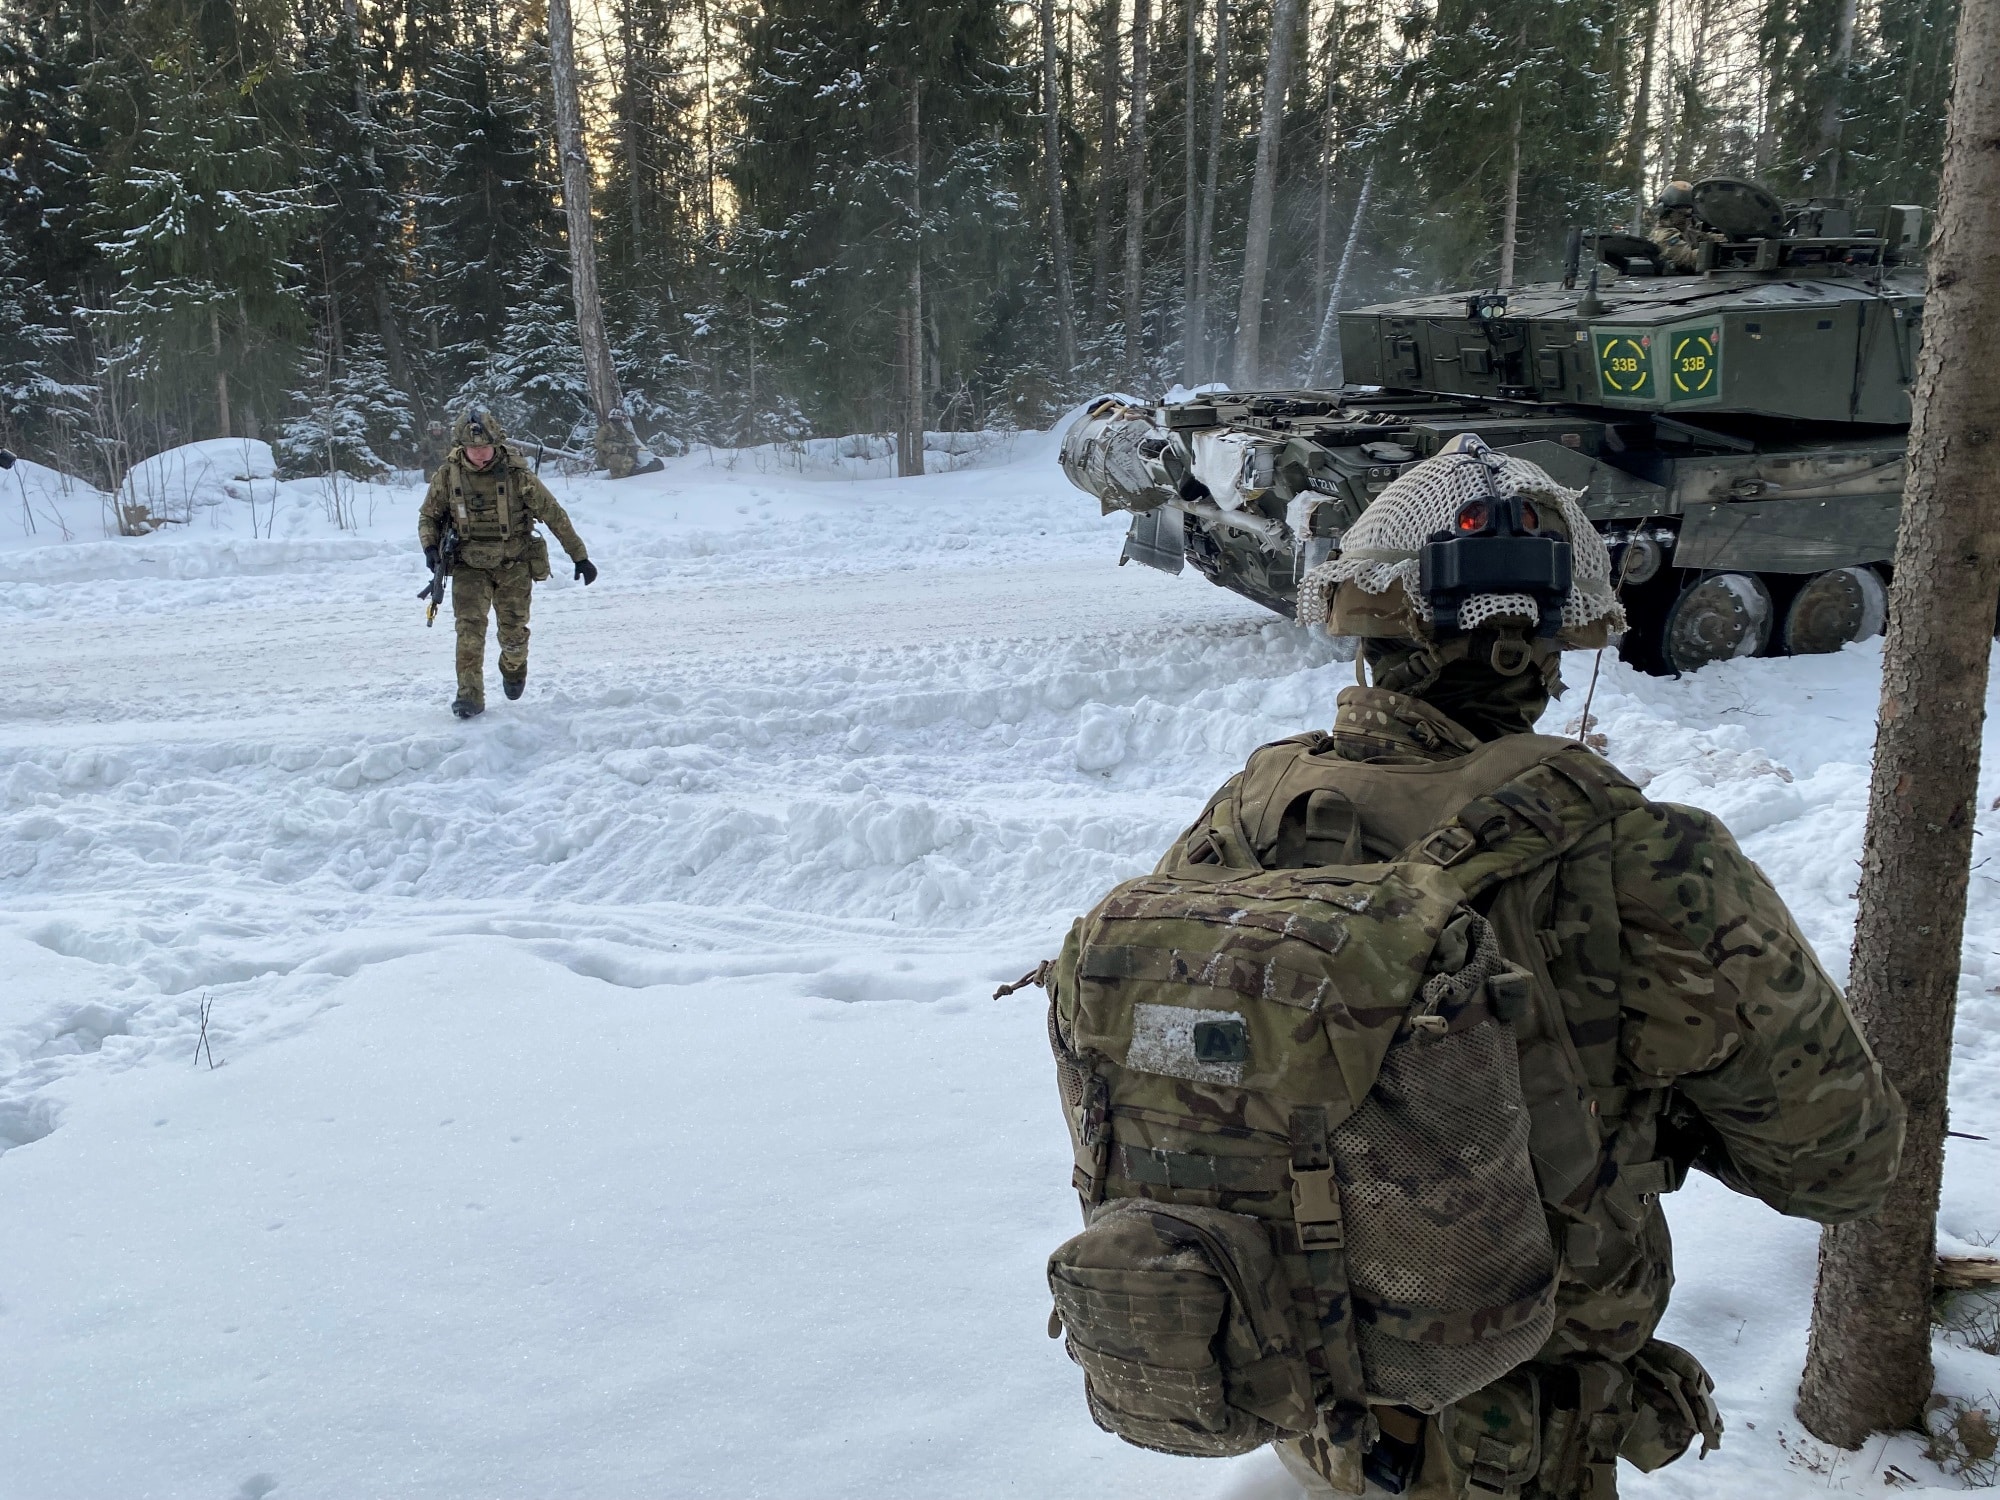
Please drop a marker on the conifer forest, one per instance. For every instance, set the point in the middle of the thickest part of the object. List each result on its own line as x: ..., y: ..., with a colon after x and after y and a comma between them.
x: 326, y: 222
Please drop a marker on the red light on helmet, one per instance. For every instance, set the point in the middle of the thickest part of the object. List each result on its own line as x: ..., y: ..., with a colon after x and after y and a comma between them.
x: 1472, y: 516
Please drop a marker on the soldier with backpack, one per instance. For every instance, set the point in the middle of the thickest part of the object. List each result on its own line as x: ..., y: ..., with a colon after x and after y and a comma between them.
x: 1376, y: 1082
x: 489, y: 498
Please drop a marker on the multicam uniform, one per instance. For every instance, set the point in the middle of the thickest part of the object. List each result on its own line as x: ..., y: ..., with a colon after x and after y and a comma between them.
x: 500, y: 554
x: 1709, y: 1036
x: 1679, y: 240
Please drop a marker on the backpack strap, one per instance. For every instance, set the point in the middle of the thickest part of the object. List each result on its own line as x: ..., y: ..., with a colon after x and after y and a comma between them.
x: 1508, y: 843
x: 1537, y: 816
x: 1318, y: 1232
x: 1218, y: 836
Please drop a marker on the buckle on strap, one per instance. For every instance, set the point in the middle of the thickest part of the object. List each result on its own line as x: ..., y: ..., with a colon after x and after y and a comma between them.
x: 1492, y: 1469
x: 1315, y: 1195
x: 1447, y: 846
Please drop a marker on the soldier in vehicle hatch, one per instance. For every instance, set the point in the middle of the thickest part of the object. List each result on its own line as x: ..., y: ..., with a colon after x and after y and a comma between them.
x: 478, y: 521
x: 1676, y: 231
x: 1665, y: 1010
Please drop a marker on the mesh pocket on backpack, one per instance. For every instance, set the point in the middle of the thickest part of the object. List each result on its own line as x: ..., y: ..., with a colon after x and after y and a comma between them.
x: 1448, y: 1251
x: 1167, y: 1310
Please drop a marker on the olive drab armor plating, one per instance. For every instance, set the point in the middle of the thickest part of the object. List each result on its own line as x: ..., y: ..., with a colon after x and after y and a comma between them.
x: 1730, y: 398
x: 1332, y: 1136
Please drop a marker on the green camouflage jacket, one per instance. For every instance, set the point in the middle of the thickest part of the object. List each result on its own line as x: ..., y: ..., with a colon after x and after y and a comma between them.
x: 494, y: 509
x: 1732, y: 1052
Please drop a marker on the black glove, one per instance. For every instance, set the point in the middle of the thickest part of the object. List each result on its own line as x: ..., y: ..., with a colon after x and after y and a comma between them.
x: 431, y: 557
x: 586, y: 570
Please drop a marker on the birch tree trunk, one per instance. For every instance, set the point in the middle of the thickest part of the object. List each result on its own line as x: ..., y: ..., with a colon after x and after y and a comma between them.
x: 1510, y: 215
x: 1110, y: 85
x: 1868, y: 1363
x: 1635, y: 138
x: 617, y: 449
x: 1053, y: 185
x: 1263, y: 187
x: 910, y: 321
x: 1830, y: 110
x: 364, y: 109
x: 1218, y: 104
x: 221, y: 374
x: 1329, y: 324
x: 629, y: 50
x: 1135, y: 191
x: 1323, y: 209
x: 1189, y: 190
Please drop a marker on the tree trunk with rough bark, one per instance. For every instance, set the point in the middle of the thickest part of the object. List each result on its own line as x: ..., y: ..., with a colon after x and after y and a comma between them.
x: 1190, y: 188
x: 1510, y: 214
x: 221, y: 374
x: 1836, y: 96
x: 1329, y: 325
x: 910, y: 320
x: 1135, y: 191
x: 1053, y: 185
x: 1110, y: 80
x: 385, y: 313
x: 1204, y: 255
x: 617, y: 449
x: 1263, y: 189
x: 1635, y: 138
x: 1323, y: 207
x: 1868, y: 1363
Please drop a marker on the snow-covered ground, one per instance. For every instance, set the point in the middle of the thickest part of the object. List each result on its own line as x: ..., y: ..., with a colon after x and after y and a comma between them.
x: 606, y: 1098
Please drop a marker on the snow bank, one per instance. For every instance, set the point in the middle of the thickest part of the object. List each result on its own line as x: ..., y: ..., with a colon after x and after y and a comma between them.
x: 40, y: 506
x: 870, y: 455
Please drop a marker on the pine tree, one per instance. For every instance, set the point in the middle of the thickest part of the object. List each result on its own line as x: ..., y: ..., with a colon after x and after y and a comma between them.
x: 488, y: 229
x: 825, y: 182
x: 196, y: 221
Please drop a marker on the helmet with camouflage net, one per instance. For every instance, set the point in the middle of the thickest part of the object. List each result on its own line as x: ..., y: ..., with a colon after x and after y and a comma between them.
x: 1676, y: 194
x: 477, y: 427
x: 1413, y: 566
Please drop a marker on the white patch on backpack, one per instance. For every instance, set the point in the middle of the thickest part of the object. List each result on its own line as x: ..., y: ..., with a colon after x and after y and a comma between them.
x: 1163, y: 1041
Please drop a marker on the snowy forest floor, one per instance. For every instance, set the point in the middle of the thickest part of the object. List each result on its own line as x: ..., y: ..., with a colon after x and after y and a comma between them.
x: 606, y: 1098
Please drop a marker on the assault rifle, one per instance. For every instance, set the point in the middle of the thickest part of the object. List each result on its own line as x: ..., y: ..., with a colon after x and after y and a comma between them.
x: 434, y: 590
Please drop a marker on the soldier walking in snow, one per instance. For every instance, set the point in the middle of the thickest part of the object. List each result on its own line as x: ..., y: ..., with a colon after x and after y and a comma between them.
x: 492, y: 500
x: 1376, y: 1083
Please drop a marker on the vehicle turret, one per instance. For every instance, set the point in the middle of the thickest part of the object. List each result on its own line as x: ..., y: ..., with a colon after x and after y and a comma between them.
x: 1738, y: 428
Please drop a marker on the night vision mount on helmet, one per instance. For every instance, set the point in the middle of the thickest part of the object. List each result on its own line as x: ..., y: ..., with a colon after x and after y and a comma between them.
x: 1737, y: 432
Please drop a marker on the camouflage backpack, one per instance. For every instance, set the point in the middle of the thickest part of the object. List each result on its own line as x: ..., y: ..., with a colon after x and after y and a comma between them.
x: 1327, y: 1116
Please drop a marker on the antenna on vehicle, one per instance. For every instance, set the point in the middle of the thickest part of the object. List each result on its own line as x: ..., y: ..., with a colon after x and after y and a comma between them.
x: 1589, y: 305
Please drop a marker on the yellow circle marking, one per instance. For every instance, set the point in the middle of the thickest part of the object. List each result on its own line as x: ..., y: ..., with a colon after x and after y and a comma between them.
x: 1631, y: 365
x: 1694, y: 364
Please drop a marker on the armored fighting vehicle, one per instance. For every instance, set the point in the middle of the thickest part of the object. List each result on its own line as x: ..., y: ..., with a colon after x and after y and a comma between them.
x: 1738, y: 430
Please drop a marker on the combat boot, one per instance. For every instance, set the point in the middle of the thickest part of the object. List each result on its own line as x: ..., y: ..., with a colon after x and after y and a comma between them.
x: 513, y: 683
x: 465, y: 707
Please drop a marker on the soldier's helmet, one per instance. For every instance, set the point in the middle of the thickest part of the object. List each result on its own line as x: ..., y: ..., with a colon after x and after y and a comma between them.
x: 1471, y: 541
x: 477, y: 427
x: 1675, y: 195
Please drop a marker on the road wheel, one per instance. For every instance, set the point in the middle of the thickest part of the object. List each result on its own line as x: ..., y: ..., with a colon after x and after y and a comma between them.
x: 1717, y: 617
x: 1835, y: 607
